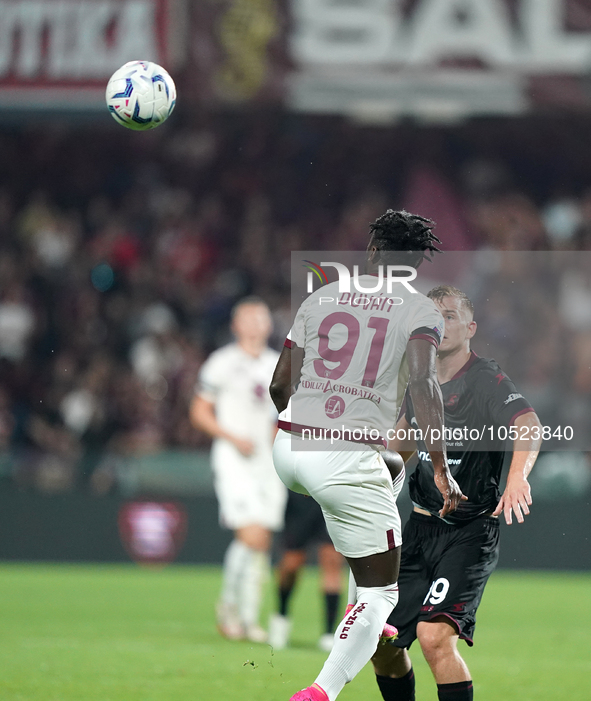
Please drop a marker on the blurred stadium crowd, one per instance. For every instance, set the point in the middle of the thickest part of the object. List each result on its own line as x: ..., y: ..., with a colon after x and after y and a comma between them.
x: 121, y: 256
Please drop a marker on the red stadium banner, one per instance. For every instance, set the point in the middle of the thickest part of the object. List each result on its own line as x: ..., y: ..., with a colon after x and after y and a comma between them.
x: 378, y: 59
x: 371, y: 59
x: 151, y: 531
x: 60, y: 53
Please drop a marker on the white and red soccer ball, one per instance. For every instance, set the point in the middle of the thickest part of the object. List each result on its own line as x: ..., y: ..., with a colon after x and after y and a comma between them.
x: 140, y: 95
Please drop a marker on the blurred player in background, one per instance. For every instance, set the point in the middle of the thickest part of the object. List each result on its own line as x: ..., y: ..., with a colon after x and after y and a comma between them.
x: 446, y: 562
x: 233, y: 406
x: 364, y: 346
x: 304, y: 526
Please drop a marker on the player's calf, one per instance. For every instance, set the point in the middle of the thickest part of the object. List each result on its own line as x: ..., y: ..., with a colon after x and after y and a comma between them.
x: 391, y: 661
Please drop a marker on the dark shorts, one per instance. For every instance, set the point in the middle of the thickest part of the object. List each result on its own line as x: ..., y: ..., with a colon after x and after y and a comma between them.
x: 304, y: 523
x: 443, y: 572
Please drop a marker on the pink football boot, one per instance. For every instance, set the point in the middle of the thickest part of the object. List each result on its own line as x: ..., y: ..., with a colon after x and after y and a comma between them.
x: 311, y: 693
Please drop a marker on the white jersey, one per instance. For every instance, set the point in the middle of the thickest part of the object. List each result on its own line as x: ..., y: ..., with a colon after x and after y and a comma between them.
x: 238, y: 384
x: 354, y: 371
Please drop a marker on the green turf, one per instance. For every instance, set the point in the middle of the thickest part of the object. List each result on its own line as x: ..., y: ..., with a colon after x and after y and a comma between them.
x: 123, y: 633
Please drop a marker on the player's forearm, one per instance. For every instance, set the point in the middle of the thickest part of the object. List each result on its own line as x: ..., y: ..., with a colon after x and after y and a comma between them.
x: 203, y: 417
x: 428, y: 404
x: 526, y: 446
x: 286, y: 375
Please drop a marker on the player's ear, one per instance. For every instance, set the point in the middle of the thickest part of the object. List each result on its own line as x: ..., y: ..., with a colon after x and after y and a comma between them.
x: 373, y: 254
x: 472, y: 326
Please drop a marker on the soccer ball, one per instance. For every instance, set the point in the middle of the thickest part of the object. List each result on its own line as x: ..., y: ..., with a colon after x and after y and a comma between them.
x: 140, y: 95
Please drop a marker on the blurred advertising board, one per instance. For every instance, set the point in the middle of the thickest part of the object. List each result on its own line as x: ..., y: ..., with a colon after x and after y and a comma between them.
x: 372, y: 59
x: 60, y: 53
x: 440, y: 59
x: 152, y: 531
x: 380, y: 59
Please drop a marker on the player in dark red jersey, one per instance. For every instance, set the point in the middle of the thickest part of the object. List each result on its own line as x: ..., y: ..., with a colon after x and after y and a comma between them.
x: 446, y: 562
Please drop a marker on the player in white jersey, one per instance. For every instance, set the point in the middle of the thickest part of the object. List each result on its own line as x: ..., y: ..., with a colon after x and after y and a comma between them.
x: 344, y: 352
x: 233, y: 406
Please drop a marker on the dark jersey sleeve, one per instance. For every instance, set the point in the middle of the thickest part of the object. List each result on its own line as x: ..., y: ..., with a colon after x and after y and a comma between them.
x: 433, y: 335
x: 496, y: 396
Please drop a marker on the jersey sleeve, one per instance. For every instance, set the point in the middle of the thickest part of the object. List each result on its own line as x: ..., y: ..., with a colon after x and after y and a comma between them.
x: 427, y: 323
x: 498, y: 397
x: 210, y: 379
x: 297, y: 333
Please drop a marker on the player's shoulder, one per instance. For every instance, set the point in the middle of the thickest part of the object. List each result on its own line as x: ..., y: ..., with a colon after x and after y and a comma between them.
x: 419, y: 301
x: 317, y: 303
x: 214, y: 371
x: 329, y: 291
x: 483, y: 366
x: 484, y: 372
x: 425, y: 314
x: 223, y: 354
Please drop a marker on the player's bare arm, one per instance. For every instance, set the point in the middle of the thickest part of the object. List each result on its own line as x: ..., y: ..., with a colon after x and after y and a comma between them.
x: 286, y: 376
x: 516, y: 498
x: 428, y: 403
x: 402, y: 443
x: 203, y: 417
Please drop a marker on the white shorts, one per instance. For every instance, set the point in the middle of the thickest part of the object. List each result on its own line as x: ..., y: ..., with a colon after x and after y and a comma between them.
x: 248, y: 489
x: 354, y: 489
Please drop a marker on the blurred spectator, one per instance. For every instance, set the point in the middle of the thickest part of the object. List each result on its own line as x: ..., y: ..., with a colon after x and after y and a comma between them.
x: 17, y: 323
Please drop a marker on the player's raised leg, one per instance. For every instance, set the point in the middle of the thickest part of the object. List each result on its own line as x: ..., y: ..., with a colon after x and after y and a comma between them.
x: 358, y: 634
x: 364, y: 526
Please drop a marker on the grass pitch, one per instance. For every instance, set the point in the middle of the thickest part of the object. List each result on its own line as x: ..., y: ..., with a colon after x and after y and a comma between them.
x: 125, y: 633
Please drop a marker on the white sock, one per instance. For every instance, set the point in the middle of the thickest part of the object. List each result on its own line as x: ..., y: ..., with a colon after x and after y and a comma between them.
x: 357, y: 637
x: 254, y: 577
x: 235, y: 561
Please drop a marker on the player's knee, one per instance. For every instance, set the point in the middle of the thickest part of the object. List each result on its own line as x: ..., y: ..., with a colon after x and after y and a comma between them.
x: 330, y: 559
x: 436, y: 637
x: 255, y: 537
x: 388, y: 595
x: 292, y: 561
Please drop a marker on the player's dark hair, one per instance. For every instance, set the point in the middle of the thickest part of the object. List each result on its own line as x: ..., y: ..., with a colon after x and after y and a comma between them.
x: 410, y: 235
x: 251, y: 299
x: 441, y: 291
